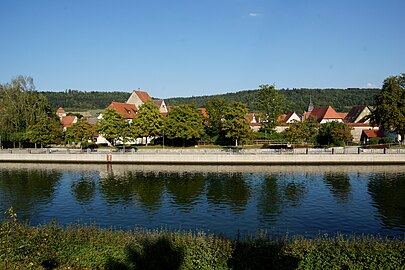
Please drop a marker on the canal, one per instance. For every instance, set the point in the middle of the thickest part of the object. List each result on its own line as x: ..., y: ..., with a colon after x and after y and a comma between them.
x: 226, y: 200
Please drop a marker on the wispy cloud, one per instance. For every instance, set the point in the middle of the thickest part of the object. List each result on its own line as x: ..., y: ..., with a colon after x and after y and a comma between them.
x: 371, y: 85
x: 254, y: 14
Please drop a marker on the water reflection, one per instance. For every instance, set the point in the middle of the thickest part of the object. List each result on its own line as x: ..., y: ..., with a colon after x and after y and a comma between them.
x: 228, y: 189
x: 388, y: 193
x: 185, y: 188
x: 219, y: 198
x: 84, y: 187
x: 339, y: 185
x: 280, y: 191
x: 27, y: 190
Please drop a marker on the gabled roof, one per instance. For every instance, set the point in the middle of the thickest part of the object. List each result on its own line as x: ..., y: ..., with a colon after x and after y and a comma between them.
x: 354, y: 113
x: 326, y: 112
x: 158, y: 102
x: 143, y: 96
x: 67, y: 121
x: 126, y: 110
x: 373, y: 133
x: 60, y: 110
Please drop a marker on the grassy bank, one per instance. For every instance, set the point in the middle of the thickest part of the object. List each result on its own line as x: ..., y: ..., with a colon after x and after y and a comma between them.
x: 89, y: 247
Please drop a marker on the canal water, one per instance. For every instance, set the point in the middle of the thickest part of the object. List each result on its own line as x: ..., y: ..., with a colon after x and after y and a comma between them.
x: 226, y: 200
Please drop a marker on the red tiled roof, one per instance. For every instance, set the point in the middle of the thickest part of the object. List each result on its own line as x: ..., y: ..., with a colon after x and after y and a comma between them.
x: 373, y: 133
x: 143, y: 96
x: 204, y: 112
x: 326, y: 112
x: 60, y: 110
x: 281, y: 118
x: 126, y: 110
x: 342, y: 115
x: 67, y: 121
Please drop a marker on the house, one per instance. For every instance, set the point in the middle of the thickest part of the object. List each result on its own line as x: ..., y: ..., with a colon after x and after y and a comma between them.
x: 325, y: 114
x: 291, y: 117
x: 358, y: 114
x: 366, y: 135
x: 66, y: 120
x: 358, y: 118
x: 60, y: 112
x: 140, y: 97
x: 127, y: 111
x: 284, y: 120
x: 255, y: 121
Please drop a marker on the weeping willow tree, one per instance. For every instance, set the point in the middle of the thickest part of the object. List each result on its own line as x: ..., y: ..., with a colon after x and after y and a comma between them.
x: 21, y: 107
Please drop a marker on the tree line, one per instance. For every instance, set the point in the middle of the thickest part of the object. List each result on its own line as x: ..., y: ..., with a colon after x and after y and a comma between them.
x: 296, y: 99
x: 26, y: 116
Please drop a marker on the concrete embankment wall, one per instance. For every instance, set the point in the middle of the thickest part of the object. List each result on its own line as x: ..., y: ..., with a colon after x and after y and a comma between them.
x: 206, y: 158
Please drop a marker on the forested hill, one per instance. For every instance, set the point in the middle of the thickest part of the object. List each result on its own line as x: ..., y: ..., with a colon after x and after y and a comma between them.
x: 340, y: 99
x: 74, y: 100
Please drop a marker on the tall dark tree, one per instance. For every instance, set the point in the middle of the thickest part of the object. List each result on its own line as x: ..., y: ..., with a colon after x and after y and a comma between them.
x: 216, y: 108
x: 334, y: 133
x: 301, y: 132
x: 20, y: 108
x: 184, y: 123
x: 234, y: 123
x: 46, y: 131
x: 271, y: 103
x: 80, y: 132
x: 389, y: 111
x: 148, y: 121
x: 112, y: 126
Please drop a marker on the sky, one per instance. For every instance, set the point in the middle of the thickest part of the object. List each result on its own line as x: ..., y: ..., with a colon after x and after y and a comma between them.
x: 182, y: 48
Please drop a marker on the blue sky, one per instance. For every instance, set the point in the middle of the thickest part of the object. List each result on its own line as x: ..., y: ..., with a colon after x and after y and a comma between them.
x: 201, y: 47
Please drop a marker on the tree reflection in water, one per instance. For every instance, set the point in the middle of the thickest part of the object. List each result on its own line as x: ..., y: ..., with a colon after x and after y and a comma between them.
x: 339, y: 185
x: 388, y: 193
x: 27, y: 190
x: 133, y: 186
x: 279, y: 191
x: 84, y: 187
x: 229, y: 189
x: 185, y: 188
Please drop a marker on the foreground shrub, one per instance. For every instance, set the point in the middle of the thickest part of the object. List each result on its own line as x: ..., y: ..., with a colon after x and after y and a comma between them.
x: 89, y: 247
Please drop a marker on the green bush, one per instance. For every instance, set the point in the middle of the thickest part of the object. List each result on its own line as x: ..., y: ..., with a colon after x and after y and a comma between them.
x: 89, y: 247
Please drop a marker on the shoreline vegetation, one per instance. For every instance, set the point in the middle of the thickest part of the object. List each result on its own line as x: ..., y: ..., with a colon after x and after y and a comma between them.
x: 53, y: 246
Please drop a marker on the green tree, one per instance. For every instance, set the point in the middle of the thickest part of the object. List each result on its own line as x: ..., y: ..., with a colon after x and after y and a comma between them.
x: 389, y: 112
x: 184, y: 123
x: 234, y: 123
x: 334, y: 133
x: 21, y: 107
x: 46, y: 131
x: 80, y: 132
x: 148, y: 121
x: 112, y: 126
x: 301, y: 132
x: 215, y: 110
x: 271, y: 103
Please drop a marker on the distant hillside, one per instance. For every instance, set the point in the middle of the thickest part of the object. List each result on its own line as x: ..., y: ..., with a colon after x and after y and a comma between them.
x: 340, y: 99
x: 74, y: 100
